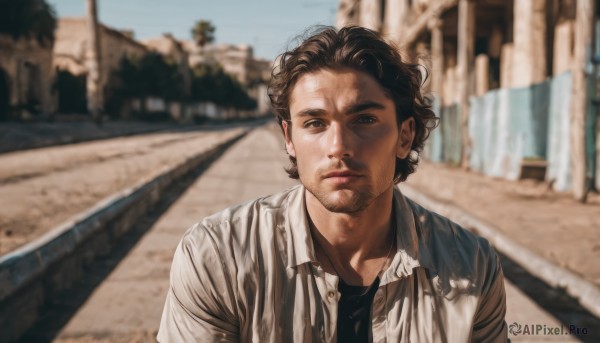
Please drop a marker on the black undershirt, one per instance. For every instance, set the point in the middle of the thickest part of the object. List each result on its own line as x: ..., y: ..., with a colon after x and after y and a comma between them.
x: 354, y: 312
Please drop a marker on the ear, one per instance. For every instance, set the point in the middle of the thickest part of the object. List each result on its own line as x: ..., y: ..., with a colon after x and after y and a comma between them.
x: 406, y: 137
x: 289, y: 146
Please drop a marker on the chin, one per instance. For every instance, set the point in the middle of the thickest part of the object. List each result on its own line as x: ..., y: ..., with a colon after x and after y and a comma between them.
x: 343, y: 200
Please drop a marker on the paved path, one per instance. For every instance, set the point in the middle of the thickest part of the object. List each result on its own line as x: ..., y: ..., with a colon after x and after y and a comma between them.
x: 522, y: 311
x: 127, y: 305
x: 551, y: 224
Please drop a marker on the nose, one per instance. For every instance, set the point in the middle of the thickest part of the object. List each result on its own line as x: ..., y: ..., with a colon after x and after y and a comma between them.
x: 338, y: 141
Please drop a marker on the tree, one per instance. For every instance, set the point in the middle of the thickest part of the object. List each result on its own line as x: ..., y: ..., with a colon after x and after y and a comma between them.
x: 149, y: 76
x: 203, y: 32
x: 28, y: 19
x: 211, y: 83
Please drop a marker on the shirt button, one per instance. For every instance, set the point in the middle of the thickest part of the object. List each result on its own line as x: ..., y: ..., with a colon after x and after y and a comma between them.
x: 331, y: 294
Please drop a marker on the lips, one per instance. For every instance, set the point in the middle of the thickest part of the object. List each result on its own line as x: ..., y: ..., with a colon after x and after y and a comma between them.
x: 342, y: 176
x: 341, y: 173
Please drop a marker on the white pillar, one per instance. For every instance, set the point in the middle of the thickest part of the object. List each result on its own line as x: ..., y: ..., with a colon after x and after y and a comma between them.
x: 563, y: 47
x: 529, y: 56
x: 482, y: 74
x: 395, y: 19
x: 584, y: 26
x: 437, y: 58
x: 506, y: 63
x: 370, y: 14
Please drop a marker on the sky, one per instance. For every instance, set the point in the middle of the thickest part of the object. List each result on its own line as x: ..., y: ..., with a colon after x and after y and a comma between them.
x: 267, y: 25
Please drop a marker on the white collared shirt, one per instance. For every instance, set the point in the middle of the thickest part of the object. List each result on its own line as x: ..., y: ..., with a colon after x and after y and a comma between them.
x: 250, y: 274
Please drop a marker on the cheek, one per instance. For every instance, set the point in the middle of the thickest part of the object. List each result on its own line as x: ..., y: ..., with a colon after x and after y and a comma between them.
x: 306, y: 149
x: 382, y: 141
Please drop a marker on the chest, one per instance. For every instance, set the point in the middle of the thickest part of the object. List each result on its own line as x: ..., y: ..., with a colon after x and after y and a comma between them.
x: 302, y: 304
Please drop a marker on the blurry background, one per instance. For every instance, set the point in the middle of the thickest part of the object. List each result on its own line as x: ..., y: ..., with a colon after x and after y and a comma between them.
x: 122, y: 123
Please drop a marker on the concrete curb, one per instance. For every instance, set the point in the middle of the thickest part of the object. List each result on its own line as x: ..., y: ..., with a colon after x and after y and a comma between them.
x: 133, y: 130
x: 34, y: 272
x: 57, y: 141
x: 586, y: 292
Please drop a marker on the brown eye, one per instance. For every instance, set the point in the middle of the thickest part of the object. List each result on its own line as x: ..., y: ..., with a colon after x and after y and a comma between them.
x: 366, y: 120
x: 313, y: 123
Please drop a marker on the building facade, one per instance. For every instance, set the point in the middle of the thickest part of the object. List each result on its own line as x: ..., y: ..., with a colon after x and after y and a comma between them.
x: 236, y: 60
x: 512, y: 80
x: 71, y: 53
x: 26, y: 78
x: 239, y: 62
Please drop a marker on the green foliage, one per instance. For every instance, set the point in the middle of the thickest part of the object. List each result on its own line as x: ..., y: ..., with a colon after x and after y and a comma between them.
x: 214, y: 85
x: 148, y: 76
x: 28, y: 19
x: 203, y: 32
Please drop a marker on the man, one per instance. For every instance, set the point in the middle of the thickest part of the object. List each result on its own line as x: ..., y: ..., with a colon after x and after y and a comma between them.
x: 344, y: 256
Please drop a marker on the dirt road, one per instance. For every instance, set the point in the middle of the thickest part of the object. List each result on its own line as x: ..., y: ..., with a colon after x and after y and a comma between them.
x: 42, y: 188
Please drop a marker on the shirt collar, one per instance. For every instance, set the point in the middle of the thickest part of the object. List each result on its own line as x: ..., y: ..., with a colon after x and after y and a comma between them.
x: 300, y: 248
x: 411, y: 252
x: 412, y: 249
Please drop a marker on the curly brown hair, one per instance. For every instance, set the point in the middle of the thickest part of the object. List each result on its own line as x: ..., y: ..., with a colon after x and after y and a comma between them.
x: 363, y: 50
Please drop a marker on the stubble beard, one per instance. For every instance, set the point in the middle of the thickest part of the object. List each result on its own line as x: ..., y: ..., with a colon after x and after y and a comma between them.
x: 346, y: 199
x: 355, y: 202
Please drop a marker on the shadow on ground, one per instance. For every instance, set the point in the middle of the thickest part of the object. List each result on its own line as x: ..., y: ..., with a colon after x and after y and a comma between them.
x: 58, y: 311
x: 556, y: 302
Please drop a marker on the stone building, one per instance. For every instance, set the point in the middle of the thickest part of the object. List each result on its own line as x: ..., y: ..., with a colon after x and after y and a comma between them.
x: 26, y: 78
x: 70, y: 53
x: 238, y: 61
x: 503, y: 75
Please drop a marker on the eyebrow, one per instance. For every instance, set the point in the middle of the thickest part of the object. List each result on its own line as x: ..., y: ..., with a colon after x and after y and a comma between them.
x: 363, y: 106
x: 352, y: 109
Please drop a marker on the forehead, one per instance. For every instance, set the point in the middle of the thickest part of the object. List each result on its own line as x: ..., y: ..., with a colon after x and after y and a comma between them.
x: 335, y: 89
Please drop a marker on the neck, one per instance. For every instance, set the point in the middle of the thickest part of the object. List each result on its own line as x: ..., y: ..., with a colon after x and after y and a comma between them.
x: 352, y: 241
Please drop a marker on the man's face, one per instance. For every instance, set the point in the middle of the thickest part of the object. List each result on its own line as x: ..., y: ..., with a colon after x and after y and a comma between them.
x: 345, y: 138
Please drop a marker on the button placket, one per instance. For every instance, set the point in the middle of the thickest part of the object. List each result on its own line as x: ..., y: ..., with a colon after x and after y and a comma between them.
x: 378, y: 317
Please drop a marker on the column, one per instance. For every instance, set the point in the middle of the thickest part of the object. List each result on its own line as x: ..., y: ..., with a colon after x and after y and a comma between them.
x: 395, y: 19
x: 584, y: 24
x: 466, y: 45
x: 93, y: 63
x: 482, y: 74
x: 437, y: 58
x: 529, y: 56
x: 563, y: 45
x: 370, y: 14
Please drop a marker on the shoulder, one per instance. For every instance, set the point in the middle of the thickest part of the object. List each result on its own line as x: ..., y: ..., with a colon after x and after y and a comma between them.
x: 455, y: 252
x: 238, y: 228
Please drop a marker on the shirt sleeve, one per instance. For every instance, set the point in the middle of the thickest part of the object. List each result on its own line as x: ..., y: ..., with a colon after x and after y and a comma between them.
x: 199, y: 305
x: 489, y: 324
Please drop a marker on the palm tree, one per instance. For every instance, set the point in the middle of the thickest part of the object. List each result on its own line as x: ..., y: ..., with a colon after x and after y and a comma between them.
x: 203, y: 32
